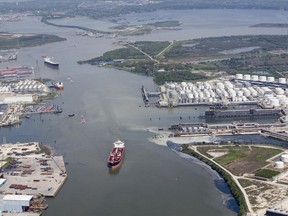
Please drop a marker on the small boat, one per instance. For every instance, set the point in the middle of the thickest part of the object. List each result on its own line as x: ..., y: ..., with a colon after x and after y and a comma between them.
x: 116, y: 155
x: 71, y: 114
x: 83, y: 120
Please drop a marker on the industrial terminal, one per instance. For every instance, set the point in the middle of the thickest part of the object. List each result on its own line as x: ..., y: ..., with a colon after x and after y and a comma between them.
x: 17, y: 95
x: 240, y: 89
x: 237, y: 105
x: 260, y: 96
x: 28, y: 175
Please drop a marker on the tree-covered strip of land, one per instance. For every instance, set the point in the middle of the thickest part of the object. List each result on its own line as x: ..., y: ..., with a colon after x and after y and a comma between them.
x: 254, y: 54
x: 179, y: 76
x: 98, y: 9
x: 46, y: 19
x: 223, y: 46
x: 170, y: 23
x: 121, y: 53
x: 12, y: 41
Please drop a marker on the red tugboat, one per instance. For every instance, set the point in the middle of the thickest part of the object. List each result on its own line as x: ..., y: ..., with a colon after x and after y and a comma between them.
x: 116, y: 155
x: 58, y: 85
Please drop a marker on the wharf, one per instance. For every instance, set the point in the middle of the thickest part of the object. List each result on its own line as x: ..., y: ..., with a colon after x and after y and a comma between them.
x: 190, y: 129
x: 31, y: 171
x: 42, y: 109
x: 144, y: 94
x: 281, y: 136
x: 243, y: 113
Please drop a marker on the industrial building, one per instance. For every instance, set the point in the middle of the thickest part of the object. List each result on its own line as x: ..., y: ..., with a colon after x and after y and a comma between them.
x: 27, y: 98
x: 16, y: 203
x: 276, y: 212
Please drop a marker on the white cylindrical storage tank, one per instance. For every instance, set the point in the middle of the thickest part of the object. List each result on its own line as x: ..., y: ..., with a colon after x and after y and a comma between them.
x: 228, y: 84
x: 190, y: 84
x: 183, y: 84
x: 279, y: 91
x: 172, y: 86
x: 220, y: 85
x: 240, y: 93
x: 284, y: 158
x: 190, y: 96
x: 282, y: 80
x: 262, y: 78
x: 201, y: 94
x: 254, y: 78
x: 212, y: 94
x: 279, y: 164
x: 182, y: 93
x: 247, y: 77
x: 270, y: 79
x: 274, y: 102
x: 239, y: 76
x: 206, y: 92
x: 207, y: 85
x: 219, y: 92
x: 244, y: 98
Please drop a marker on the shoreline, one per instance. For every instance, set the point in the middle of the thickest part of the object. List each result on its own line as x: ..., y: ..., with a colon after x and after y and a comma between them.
x: 161, y: 138
x: 235, y: 182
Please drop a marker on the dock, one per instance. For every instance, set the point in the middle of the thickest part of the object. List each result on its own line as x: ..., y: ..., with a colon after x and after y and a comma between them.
x: 31, y: 171
x: 275, y: 130
x: 243, y: 113
x: 144, y: 94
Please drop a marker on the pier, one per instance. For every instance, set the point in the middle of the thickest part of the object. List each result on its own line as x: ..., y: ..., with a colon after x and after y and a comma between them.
x: 281, y: 136
x: 30, y: 171
x: 243, y: 113
x: 144, y: 94
x: 276, y: 130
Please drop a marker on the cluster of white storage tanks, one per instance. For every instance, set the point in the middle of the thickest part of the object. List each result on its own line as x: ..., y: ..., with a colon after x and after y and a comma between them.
x: 188, y: 92
x: 29, y: 86
x: 249, y: 77
x: 215, y: 91
x: 5, y: 87
x: 281, y: 163
x: 280, y: 99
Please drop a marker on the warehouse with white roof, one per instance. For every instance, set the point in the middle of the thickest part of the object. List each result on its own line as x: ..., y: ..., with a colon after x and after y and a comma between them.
x: 16, y: 203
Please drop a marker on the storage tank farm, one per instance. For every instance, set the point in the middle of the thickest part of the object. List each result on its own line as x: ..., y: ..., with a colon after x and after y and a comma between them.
x: 241, y: 88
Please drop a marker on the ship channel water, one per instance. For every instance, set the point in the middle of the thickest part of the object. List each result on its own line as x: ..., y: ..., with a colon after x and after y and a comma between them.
x: 153, y: 180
